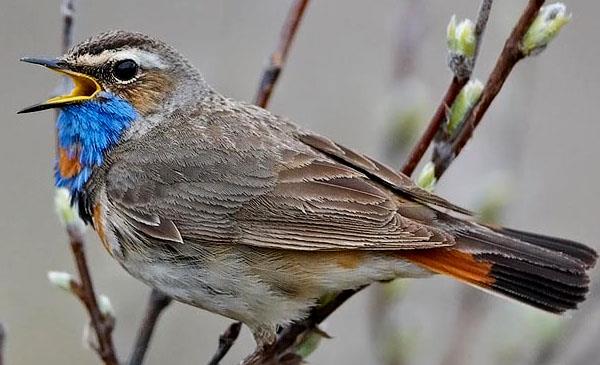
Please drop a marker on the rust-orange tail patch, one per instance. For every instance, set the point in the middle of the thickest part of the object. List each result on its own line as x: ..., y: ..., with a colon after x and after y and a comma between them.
x: 459, y: 265
x: 553, y: 279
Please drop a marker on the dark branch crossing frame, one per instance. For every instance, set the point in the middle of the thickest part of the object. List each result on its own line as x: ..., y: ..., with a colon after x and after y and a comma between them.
x: 279, y: 352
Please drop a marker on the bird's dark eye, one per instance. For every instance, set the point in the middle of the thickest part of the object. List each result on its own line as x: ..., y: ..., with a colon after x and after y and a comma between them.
x: 125, y: 70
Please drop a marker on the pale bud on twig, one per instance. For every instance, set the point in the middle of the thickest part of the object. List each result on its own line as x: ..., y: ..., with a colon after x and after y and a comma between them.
x: 427, y: 179
x: 461, y: 37
x: 464, y: 102
x: 62, y: 280
x: 105, y: 306
x: 66, y: 213
x: 462, y: 44
x: 548, y: 23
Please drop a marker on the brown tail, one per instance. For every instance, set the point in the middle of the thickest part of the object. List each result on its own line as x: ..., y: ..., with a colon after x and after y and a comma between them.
x: 545, y: 272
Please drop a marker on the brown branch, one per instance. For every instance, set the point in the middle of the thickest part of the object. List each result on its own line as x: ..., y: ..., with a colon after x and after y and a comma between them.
x: 470, y: 316
x: 226, y: 340
x: 279, y: 57
x: 288, y: 336
x: 102, y: 325
x: 511, y: 54
x: 508, y: 58
x: 457, y: 83
x: 67, y: 11
x: 436, y: 122
x: 269, y: 78
x: 2, y: 340
x: 84, y: 289
x: 157, y: 302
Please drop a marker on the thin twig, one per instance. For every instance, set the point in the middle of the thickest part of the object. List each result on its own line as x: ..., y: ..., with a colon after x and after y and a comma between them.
x: 409, y: 38
x: 287, y: 337
x: 269, y: 78
x: 454, y: 88
x: 505, y: 63
x: 84, y: 288
x: 157, y: 302
x: 279, y: 57
x: 2, y: 339
x: 226, y: 340
x: 416, y: 154
x: 102, y: 325
x: 385, y: 325
x: 483, y: 16
x: 67, y: 11
x: 511, y: 54
x: 471, y: 313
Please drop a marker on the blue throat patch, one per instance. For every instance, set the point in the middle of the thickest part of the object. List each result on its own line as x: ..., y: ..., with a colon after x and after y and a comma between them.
x: 86, y: 131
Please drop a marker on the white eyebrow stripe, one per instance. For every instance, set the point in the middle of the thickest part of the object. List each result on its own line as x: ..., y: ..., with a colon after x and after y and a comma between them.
x: 143, y: 58
x: 95, y: 60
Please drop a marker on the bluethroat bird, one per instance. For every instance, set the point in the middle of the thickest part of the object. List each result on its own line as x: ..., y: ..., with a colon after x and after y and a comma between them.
x: 227, y: 207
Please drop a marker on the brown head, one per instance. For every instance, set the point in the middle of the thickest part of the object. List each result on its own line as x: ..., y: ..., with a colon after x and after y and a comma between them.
x: 146, y: 72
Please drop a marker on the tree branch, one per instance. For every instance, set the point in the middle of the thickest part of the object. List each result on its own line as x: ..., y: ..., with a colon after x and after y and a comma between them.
x: 436, y: 122
x: 470, y: 316
x: 84, y: 289
x: 454, y: 88
x: 511, y: 54
x: 269, y: 78
x: 279, y: 57
x: 2, y: 340
x: 67, y: 10
x: 508, y: 58
x: 157, y: 302
x: 103, y: 325
x: 226, y: 340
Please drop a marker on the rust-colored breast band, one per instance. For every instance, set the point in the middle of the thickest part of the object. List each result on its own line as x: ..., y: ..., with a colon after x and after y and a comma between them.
x: 67, y: 166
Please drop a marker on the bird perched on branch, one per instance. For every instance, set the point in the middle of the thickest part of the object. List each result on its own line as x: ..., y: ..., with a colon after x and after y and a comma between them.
x: 228, y: 207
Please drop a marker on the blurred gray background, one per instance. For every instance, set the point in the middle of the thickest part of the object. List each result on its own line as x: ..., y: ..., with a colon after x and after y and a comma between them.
x: 536, y: 149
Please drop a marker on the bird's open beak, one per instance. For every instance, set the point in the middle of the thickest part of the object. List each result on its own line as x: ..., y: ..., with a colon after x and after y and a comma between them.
x: 85, y: 88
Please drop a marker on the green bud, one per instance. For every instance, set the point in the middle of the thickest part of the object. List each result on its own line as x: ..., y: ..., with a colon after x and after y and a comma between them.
x: 548, y: 23
x: 464, y: 102
x: 59, y: 279
x: 461, y: 37
x: 426, y: 179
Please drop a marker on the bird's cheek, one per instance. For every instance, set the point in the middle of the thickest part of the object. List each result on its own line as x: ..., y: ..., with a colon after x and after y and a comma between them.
x: 149, y: 93
x: 145, y: 101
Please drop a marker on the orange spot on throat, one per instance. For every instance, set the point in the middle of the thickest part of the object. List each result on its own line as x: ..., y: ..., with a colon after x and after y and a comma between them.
x: 68, y: 166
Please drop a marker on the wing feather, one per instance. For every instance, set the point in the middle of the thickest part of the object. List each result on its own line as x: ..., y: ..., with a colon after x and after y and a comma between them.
x: 300, y: 193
